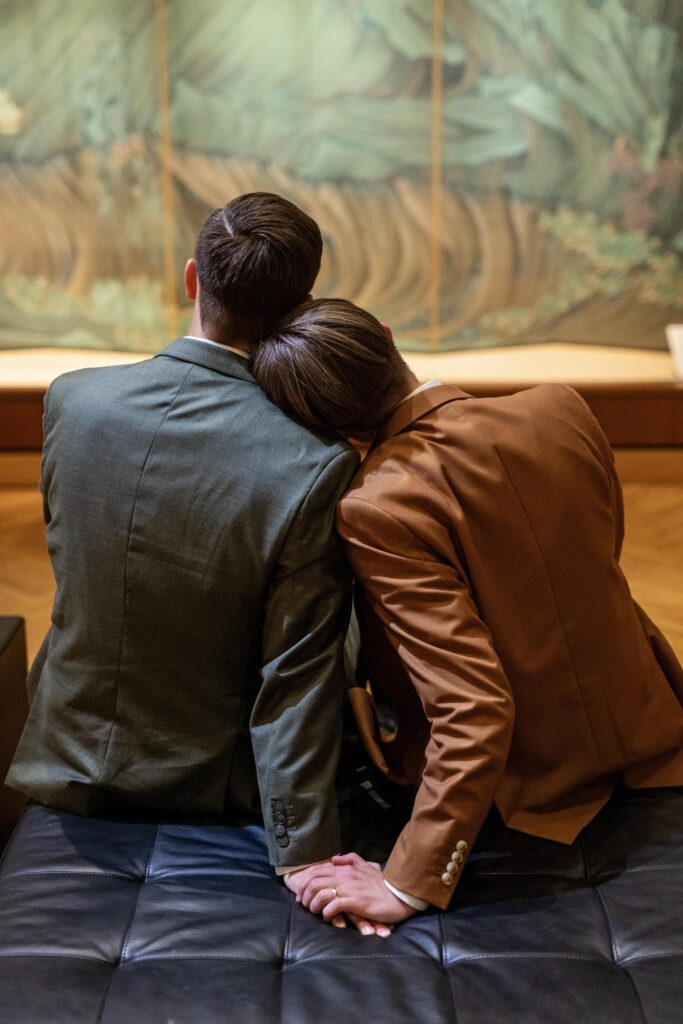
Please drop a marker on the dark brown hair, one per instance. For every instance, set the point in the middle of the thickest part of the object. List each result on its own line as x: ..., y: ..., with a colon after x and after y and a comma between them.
x: 330, y: 365
x: 256, y: 258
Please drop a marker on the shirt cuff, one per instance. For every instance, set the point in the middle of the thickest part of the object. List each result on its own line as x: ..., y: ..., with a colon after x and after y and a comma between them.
x: 281, y: 871
x: 413, y: 901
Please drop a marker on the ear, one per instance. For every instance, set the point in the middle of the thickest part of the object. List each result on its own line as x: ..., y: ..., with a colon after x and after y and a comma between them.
x: 191, y: 281
x: 388, y: 331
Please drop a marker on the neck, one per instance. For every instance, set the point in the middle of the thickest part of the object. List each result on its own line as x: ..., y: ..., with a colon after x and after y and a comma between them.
x: 408, y: 384
x: 197, y: 331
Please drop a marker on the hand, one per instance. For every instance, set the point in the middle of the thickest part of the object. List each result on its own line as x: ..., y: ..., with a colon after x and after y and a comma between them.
x: 360, y: 889
x: 298, y: 880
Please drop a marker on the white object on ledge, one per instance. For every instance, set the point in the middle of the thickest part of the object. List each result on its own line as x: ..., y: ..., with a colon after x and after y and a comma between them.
x: 674, y: 335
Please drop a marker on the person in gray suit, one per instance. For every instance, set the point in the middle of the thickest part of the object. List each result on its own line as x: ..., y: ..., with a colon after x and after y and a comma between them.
x: 194, y: 661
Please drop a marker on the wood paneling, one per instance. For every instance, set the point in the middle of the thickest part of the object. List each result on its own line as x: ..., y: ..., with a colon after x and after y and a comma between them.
x: 632, y: 415
x: 21, y: 419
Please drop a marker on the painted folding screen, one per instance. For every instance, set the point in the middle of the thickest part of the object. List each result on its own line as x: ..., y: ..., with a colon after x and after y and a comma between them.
x: 485, y: 172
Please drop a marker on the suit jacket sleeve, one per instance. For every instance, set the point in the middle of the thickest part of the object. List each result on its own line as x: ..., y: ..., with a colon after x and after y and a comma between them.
x: 296, y: 719
x: 38, y: 662
x: 44, y: 468
x: 431, y: 619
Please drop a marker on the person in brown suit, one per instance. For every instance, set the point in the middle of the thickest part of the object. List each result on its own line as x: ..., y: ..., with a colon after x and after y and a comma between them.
x: 485, y: 537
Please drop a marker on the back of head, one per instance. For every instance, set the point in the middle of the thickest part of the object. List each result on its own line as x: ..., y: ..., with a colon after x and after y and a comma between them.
x: 256, y: 259
x: 331, y: 366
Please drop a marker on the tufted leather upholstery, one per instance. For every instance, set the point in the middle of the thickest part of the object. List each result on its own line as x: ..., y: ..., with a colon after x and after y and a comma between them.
x: 136, y: 923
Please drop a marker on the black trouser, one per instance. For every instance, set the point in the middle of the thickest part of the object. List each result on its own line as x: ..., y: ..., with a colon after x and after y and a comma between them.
x: 372, y: 809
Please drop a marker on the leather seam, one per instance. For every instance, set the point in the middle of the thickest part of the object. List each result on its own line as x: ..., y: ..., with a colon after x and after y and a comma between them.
x: 88, y: 874
x: 532, y: 956
x: 285, y: 952
x: 528, y: 874
x: 126, y: 938
x: 205, y: 956
x: 59, y: 956
x: 355, y: 956
x: 444, y: 966
x: 570, y: 878
x: 625, y: 964
x: 327, y: 959
x: 141, y: 878
x: 636, y: 993
x: 608, y: 921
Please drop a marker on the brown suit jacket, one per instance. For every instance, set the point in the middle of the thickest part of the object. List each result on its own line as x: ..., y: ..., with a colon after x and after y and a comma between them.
x: 485, y: 535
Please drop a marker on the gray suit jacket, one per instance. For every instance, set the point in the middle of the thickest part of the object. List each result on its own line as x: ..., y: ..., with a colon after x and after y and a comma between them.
x: 194, y: 663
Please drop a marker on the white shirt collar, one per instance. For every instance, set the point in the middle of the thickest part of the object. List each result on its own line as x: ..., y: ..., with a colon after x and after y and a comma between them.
x: 245, y: 355
x: 230, y: 348
x: 422, y: 387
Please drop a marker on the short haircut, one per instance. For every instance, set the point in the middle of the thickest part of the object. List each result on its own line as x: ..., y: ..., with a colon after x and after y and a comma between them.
x: 331, y: 366
x: 256, y: 259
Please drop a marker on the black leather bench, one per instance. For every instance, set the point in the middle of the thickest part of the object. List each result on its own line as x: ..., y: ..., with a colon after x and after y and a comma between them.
x: 133, y: 923
x: 13, y: 711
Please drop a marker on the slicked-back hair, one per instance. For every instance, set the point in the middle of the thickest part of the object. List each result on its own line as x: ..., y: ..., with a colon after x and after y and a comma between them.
x: 331, y: 366
x: 256, y: 259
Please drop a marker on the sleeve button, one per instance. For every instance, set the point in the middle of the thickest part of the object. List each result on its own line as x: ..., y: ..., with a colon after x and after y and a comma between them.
x: 461, y: 846
x: 280, y: 830
x: 452, y: 866
x: 447, y: 878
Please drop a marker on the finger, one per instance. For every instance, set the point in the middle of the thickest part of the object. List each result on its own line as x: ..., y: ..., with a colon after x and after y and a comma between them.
x: 348, y: 858
x: 323, y: 871
x: 376, y: 927
x: 343, y: 905
x: 339, y: 876
x: 312, y: 889
x: 381, y: 928
x: 321, y: 900
x: 367, y: 927
x: 354, y: 862
x: 339, y: 921
x: 317, y: 871
x: 364, y: 926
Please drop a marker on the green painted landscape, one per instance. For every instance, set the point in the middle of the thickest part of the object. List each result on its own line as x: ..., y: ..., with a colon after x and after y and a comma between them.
x: 485, y: 172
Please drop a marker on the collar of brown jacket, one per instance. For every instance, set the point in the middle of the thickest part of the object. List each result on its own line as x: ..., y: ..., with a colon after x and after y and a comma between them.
x: 413, y: 408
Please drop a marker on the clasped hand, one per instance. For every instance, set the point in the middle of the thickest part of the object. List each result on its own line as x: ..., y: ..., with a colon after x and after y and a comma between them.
x: 348, y: 885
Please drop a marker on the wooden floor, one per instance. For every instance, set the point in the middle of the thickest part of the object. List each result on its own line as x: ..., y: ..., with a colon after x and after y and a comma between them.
x: 652, y: 559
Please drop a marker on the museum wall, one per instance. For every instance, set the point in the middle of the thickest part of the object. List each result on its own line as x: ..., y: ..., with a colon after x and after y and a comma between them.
x: 485, y: 172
